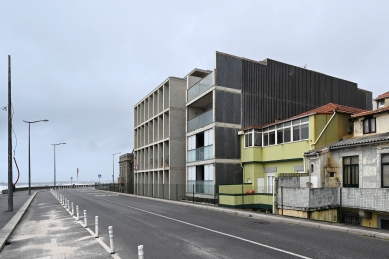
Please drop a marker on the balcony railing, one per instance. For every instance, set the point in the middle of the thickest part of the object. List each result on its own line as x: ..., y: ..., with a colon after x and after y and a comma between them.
x: 200, y: 87
x: 201, y: 153
x: 200, y: 121
x: 200, y: 187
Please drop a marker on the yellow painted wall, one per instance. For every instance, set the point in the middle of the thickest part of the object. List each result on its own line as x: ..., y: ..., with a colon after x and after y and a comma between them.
x: 323, y: 215
x: 336, y: 129
x: 370, y: 223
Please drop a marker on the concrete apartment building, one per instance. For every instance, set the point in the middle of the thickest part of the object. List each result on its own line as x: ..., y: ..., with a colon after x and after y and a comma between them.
x: 159, y: 141
x: 238, y: 93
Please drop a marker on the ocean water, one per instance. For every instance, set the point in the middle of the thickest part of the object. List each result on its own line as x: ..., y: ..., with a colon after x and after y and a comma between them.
x: 4, y: 185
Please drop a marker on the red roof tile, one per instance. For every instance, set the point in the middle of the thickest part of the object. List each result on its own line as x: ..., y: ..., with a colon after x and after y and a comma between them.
x: 379, y: 110
x: 325, y: 109
x: 382, y: 96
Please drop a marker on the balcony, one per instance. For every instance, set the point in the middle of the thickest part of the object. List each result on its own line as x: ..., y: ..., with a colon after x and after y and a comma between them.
x: 200, y: 121
x: 200, y: 187
x: 201, y: 153
x: 200, y: 87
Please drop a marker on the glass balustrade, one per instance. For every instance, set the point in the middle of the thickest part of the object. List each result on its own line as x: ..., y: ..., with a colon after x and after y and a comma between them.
x: 200, y: 87
x: 200, y: 121
x: 201, y: 153
x: 202, y: 187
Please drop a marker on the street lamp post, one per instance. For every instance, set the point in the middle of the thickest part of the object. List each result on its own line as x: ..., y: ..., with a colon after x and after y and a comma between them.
x: 113, y: 166
x: 29, y: 156
x: 54, y: 161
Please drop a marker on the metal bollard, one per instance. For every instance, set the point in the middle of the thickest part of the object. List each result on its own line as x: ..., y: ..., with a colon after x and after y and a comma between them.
x: 140, y: 252
x: 78, y: 215
x: 110, y: 231
x: 85, y: 219
x: 96, y: 226
x: 72, y: 209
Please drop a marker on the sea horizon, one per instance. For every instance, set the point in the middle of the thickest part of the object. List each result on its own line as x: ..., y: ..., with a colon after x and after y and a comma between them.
x: 4, y: 185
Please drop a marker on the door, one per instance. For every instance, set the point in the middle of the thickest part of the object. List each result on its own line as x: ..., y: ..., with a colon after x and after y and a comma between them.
x: 260, y: 185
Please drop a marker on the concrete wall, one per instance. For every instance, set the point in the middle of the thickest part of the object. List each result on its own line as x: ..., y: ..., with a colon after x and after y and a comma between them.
x: 366, y: 198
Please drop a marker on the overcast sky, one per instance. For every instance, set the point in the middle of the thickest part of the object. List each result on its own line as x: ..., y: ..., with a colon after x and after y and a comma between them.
x: 83, y: 65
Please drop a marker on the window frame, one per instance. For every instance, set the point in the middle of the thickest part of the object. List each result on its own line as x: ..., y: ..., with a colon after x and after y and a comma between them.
x: 382, y: 170
x: 351, y: 166
x: 369, y: 120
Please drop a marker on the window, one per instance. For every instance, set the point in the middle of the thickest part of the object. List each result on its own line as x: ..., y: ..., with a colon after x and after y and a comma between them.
x: 296, y: 133
x: 351, y: 171
x: 287, y: 135
x: 272, y: 137
x: 265, y: 139
x: 253, y: 138
x: 248, y: 139
x: 270, y: 179
x: 257, y: 138
x: 280, y: 136
x: 369, y: 125
x: 385, y: 170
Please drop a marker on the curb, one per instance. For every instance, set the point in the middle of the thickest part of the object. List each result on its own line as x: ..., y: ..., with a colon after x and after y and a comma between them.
x: 274, y: 218
x: 8, y: 229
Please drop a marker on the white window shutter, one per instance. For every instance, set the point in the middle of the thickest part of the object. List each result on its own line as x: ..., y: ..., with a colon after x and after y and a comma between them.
x: 206, y: 133
x: 210, y: 137
x: 194, y: 142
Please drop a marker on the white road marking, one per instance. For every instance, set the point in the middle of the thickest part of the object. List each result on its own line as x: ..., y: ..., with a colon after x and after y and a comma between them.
x: 211, y: 230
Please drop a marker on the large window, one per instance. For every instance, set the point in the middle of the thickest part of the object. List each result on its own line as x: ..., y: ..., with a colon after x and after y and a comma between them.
x: 278, y: 134
x: 253, y: 138
x: 351, y: 171
x: 369, y: 125
x: 385, y: 170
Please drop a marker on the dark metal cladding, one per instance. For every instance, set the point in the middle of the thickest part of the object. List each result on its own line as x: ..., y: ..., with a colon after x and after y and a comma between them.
x: 228, y: 173
x: 280, y: 91
x: 227, y: 143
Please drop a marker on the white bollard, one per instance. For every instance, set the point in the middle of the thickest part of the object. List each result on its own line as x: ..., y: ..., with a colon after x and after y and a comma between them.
x: 96, y: 226
x: 85, y: 219
x: 140, y: 252
x: 110, y: 231
x: 78, y: 215
x: 72, y: 209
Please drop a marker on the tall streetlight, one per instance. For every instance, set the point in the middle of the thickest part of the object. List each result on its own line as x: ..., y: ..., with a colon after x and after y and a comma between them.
x: 29, y: 157
x: 54, y: 159
x: 113, y: 166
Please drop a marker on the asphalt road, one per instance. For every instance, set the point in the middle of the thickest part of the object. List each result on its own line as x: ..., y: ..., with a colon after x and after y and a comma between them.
x: 173, y: 230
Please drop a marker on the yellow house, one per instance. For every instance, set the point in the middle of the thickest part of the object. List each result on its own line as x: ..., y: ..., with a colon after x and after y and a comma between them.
x: 275, y: 149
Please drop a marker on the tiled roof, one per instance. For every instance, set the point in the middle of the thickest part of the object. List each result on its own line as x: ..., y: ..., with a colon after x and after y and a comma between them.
x: 379, y: 110
x: 325, y: 109
x: 367, y: 139
x: 382, y: 96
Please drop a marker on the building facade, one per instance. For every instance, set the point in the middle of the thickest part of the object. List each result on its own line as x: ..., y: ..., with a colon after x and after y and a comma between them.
x: 239, y: 93
x: 159, y: 141
x: 278, y: 148
x: 126, y: 172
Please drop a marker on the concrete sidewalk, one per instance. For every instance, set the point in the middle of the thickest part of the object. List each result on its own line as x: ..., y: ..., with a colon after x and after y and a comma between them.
x: 47, y: 230
x: 10, y: 219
